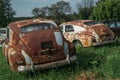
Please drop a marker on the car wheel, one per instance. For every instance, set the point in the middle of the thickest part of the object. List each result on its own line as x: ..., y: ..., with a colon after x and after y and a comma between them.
x: 77, y: 43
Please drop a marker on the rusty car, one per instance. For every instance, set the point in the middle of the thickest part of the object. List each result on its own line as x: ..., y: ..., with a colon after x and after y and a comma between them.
x: 87, y: 33
x: 114, y: 25
x: 36, y: 44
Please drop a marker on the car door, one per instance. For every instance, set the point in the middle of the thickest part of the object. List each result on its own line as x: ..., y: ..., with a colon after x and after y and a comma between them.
x: 68, y: 32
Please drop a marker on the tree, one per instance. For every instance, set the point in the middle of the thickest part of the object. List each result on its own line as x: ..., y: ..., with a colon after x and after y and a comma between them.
x: 6, y: 12
x: 106, y: 10
x: 58, y: 12
x: 36, y: 12
x: 85, y: 8
x: 74, y: 16
x: 41, y: 12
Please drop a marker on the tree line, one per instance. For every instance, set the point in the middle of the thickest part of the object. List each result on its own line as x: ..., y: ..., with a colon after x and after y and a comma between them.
x: 6, y: 12
x: 62, y: 11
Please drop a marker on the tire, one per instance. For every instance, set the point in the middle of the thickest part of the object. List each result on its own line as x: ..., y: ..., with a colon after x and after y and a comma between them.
x: 77, y: 43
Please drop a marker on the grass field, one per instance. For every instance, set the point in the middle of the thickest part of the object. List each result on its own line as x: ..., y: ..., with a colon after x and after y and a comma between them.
x: 100, y: 63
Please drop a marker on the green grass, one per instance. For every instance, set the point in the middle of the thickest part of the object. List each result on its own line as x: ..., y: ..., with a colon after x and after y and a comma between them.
x: 103, y: 61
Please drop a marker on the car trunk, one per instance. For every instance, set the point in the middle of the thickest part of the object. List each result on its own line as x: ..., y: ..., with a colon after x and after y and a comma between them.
x: 43, y: 47
x: 103, y: 32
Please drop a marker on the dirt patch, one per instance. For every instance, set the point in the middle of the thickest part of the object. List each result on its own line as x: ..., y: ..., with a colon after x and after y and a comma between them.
x: 87, y: 76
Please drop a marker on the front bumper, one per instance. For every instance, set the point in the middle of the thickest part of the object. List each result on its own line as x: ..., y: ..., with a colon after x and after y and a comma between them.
x: 47, y: 65
x: 104, y: 42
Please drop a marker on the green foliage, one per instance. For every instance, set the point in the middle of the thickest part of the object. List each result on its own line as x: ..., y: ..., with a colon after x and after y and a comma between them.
x: 41, y: 12
x: 106, y: 10
x: 85, y: 12
x: 74, y: 16
x: 85, y: 8
x: 6, y: 12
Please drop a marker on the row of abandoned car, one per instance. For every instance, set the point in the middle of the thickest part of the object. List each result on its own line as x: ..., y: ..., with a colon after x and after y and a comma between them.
x: 39, y: 43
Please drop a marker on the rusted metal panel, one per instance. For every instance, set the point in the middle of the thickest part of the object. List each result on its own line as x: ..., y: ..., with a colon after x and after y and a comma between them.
x: 35, y: 42
x: 88, y: 32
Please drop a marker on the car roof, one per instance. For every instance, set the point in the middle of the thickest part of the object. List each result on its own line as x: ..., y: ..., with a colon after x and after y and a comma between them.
x: 76, y: 22
x: 16, y: 26
x: 23, y: 23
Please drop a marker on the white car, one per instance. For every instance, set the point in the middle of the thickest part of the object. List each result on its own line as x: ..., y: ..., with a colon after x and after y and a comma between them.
x: 87, y: 33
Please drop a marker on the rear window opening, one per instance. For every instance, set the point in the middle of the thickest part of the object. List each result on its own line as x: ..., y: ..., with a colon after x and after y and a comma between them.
x: 40, y: 26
